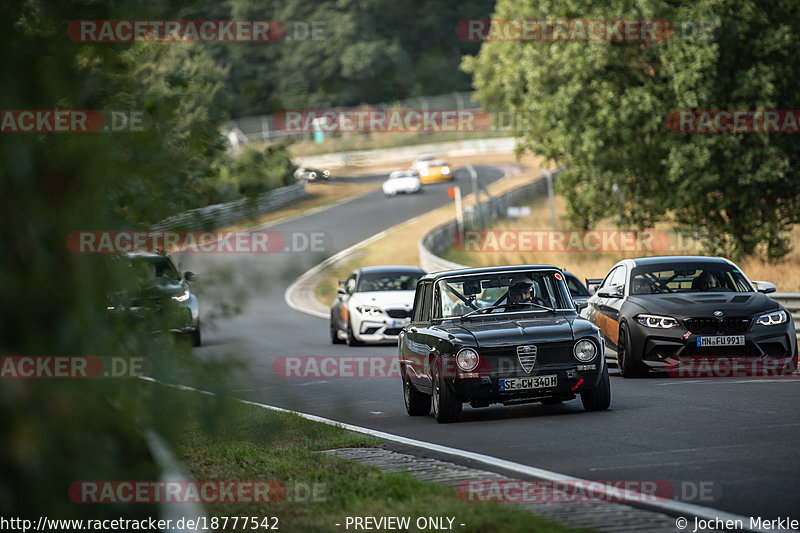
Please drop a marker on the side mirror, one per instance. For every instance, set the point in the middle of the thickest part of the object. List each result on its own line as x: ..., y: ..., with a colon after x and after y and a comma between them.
x: 580, y: 306
x: 764, y: 286
x: 615, y: 291
x: 189, y: 276
x: 340, y: 290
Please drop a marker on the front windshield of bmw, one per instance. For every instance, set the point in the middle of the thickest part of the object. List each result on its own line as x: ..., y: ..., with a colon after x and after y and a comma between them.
x: 688, y: 277
x: 533, y: 291
x: 162, y: 267
x: 388, y: 281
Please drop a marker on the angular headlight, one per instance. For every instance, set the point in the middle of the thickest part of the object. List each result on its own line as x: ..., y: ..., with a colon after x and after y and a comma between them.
x: 773, y: 319
x: 657, y: 321
x: 369, y: 310
x: 584, y: 350
x: 467, y: 359
x: 183, y: 297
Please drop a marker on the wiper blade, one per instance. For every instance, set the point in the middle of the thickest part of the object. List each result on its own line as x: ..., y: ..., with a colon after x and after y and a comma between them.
x: 498, y: 306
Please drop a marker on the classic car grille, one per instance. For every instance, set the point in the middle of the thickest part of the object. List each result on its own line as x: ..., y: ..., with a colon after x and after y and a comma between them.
x: 504, y: 358
x: 712, y: 326
x: 398, y: 313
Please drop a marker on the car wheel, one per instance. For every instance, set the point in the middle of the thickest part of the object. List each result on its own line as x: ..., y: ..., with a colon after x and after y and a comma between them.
x: 351, y: 338
x: 446, y: 405
x: 335, y: 334
x: 628, y: 367
x: 598, y: 398
x: 417, y: 403
x: 196, y: 337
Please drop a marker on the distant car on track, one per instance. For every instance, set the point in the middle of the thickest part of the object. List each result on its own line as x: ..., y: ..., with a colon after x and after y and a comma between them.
x: 312, y: 174
x: 655, y: 311
x: 373, y: 304
x: 507, y: 335
x: 435, y: 170
x: 402, y: 181
x: 421, y: 161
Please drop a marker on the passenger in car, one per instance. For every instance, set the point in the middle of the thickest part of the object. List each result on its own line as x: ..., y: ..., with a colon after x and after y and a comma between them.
x: 704, y: 282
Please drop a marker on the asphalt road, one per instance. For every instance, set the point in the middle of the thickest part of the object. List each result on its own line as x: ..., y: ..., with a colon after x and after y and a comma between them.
x: 726, y: 444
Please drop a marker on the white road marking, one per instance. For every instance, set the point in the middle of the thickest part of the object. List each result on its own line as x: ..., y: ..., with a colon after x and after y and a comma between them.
x: 672, y: 507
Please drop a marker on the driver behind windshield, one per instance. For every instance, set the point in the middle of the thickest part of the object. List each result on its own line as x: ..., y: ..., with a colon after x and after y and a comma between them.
x: 704, y: 282
x: 520, y: 290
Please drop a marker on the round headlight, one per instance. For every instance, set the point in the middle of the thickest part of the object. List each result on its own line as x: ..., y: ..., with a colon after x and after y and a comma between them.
x: 585, y: 350
x: 467, y: 359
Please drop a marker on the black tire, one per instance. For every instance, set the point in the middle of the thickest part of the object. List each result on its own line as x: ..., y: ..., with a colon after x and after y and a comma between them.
x: 417, y: 403
x: 197, y: 339
x: 447, y: 405
x: 598, y: 398
x: 628, y: 367
x: 351, y: 339
x: 335, y: 334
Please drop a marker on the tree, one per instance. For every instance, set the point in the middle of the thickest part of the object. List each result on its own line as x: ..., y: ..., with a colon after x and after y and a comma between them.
x: 59, y: 431
x: 602, y: 109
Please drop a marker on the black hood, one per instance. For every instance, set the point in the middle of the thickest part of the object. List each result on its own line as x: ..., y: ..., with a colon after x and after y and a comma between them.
x: 704, y: 304
x: 514, y: 330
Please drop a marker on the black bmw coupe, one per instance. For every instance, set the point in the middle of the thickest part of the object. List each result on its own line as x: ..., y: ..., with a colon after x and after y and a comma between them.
x: 657, y: 312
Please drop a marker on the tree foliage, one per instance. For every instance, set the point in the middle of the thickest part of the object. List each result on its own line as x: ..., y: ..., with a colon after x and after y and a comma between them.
x: 365, y: 51
x: 601, y: 108
x: 60, y: 431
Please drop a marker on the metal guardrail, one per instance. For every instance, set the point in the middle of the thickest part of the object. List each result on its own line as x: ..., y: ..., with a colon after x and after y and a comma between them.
x: 262, y: 128
x: 217, y: 215
x: 403, y: 155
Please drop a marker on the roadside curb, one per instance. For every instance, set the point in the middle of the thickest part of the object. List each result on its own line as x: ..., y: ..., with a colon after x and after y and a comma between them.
x: 657, y: 511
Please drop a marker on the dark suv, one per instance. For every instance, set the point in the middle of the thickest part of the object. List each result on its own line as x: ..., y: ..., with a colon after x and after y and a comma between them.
x: 158, y: 293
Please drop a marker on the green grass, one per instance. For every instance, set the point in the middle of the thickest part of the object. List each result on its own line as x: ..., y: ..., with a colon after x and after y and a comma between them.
x: 252, y: 443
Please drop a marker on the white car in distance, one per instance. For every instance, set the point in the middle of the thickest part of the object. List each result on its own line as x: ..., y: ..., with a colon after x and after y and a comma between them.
x: 402, y: 181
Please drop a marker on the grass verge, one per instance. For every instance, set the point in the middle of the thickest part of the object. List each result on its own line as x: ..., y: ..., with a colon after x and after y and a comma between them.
x: 250, y: 443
